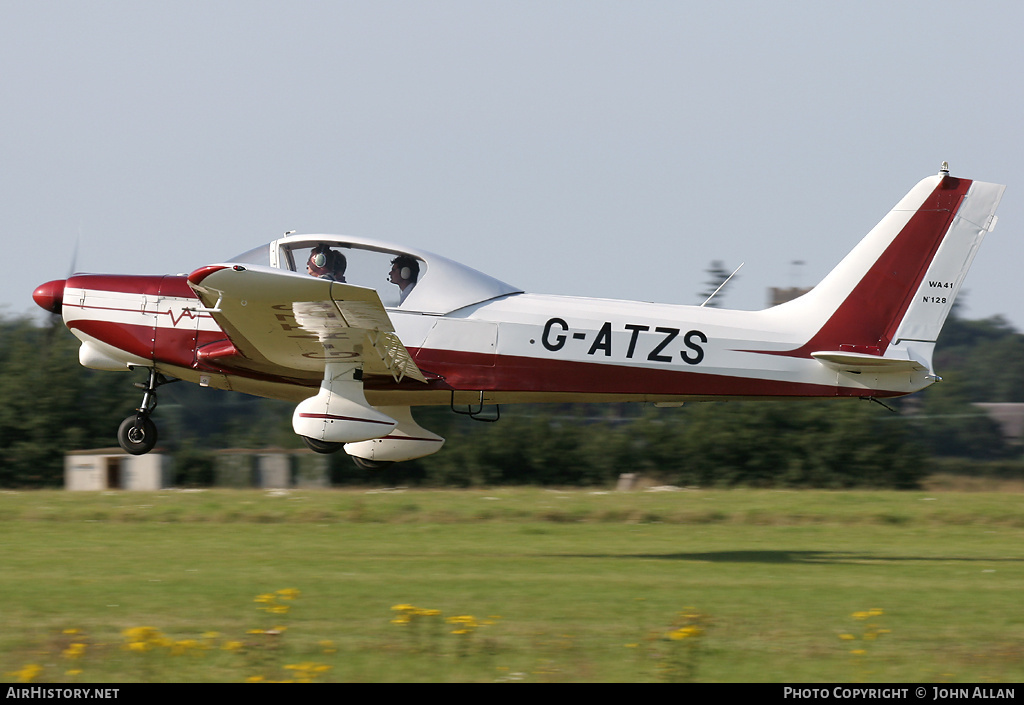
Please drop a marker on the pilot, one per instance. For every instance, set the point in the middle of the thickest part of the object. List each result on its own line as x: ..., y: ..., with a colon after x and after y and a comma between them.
x: 325, y: 263
x: 404, y: 272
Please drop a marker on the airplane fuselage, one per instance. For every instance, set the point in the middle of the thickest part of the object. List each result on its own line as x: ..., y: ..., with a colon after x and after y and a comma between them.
x: 518, y: 348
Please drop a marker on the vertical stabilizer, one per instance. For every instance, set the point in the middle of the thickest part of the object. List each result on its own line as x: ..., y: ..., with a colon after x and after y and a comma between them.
x: 899, y: 284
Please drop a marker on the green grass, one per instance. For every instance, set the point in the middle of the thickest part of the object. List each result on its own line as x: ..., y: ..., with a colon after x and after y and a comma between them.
x: 577, y: 586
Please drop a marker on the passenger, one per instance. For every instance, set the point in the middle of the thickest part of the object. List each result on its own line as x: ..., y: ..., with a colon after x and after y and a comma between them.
x: 325, y: 263
x: 404, y: 272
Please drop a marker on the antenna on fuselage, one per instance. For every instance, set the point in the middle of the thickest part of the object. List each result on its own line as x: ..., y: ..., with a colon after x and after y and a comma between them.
x: 722, y: 285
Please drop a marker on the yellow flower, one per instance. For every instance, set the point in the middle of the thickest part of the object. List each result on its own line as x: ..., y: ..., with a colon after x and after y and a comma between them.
x: 306, y: 672
x: 141, y: 633
x: 407, y: 612
x: 74, y: 650
x: 308, y: 667
x: 465, y: 624
x: 180, y: 647
x: 27, y: 673
x: 685, y: 633
x: 868, y: 614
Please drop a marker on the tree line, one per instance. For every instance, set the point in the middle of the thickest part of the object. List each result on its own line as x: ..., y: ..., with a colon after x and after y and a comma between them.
x: 49, y: 405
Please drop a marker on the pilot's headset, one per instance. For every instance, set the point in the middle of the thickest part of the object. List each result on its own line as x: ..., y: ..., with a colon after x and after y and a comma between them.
x: 318, y: 260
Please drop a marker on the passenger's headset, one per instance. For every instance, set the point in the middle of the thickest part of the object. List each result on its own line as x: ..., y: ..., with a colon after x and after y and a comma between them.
x: 405, y: 273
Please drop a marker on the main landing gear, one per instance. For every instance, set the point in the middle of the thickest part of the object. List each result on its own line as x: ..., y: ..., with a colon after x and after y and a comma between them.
x: 137, y: 434
x: 324, y: 447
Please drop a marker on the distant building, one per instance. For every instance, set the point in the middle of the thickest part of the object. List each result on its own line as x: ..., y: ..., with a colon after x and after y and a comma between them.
x: 1010, y: 418
x: 777, y: 295
x: 271, y: 469
x: 113, y: 469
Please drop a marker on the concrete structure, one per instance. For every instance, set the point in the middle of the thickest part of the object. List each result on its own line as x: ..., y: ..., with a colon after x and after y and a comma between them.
x: 271, y: 469
x: 1009, y: 416
x: 778, y: 295
x: 113, y: 469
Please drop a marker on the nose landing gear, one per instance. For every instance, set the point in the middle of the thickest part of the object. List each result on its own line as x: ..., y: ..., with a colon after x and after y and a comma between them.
x: 137, y: 434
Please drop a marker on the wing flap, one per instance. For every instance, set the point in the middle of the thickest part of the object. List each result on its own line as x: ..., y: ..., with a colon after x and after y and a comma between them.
x: 285, y: 320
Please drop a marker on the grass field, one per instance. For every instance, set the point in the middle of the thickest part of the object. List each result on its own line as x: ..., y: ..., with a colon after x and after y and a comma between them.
x: 550, y: 586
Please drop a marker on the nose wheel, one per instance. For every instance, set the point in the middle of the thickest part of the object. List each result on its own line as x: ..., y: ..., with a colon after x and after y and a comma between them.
x: 137, y: 434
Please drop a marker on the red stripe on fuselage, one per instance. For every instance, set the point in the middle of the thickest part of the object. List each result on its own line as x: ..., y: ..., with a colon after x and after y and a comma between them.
x: 473, y: 372
x: 143, y: 285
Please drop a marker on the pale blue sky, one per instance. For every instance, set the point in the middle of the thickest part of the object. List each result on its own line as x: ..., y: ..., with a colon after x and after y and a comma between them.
x: 596, y: 148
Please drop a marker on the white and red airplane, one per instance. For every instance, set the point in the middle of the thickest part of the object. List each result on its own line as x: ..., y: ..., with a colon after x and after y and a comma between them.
x: 310, y: 318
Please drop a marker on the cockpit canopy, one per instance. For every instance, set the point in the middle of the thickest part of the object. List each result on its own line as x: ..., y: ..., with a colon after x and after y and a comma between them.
x: 441, y: 285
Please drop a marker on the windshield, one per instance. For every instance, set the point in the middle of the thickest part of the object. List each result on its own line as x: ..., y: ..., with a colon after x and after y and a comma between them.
x: 257, y: 255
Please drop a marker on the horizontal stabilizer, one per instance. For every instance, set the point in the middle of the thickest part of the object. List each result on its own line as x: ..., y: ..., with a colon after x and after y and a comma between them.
x: 858, y: 362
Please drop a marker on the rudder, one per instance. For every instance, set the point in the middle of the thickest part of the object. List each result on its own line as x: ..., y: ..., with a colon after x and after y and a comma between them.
x: 934, y: 297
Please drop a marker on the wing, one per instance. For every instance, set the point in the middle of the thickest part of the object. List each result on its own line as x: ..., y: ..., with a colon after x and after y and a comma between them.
x: 294, y: 324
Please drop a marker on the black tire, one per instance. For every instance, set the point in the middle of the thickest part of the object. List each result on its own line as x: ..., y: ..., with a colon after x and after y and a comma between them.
x: 369, y: 464
x: 137, y: 441
x: 324, y: 447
